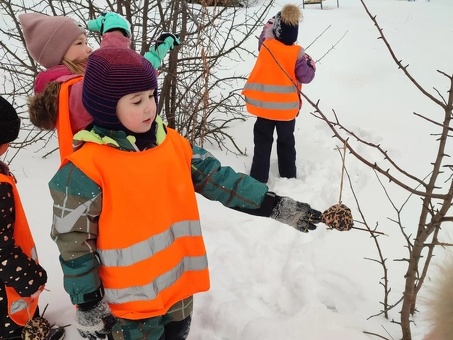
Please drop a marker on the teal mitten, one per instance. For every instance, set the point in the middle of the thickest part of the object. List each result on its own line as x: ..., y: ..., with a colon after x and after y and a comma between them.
x: 110, y: 21
x: 164, y: 44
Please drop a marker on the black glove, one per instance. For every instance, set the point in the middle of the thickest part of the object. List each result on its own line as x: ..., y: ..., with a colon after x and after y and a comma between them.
x: 94, y: 319
x: 165, y: 35
x: 296, y: 214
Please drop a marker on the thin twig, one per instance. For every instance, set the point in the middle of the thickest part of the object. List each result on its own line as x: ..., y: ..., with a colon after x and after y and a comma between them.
x: 367, y: 230
x: 333, y: 47
x: 318, y: 37
x: 370, y: 231
x: 343, y: 158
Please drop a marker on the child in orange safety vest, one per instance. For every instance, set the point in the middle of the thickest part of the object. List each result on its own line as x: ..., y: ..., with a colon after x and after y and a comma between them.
x: 59, y: 44
x: 21, y: 277
x: 126, y: 219
x: 272, y: 92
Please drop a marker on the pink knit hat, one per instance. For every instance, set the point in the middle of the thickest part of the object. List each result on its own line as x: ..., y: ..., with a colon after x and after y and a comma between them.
x: 48, y: 38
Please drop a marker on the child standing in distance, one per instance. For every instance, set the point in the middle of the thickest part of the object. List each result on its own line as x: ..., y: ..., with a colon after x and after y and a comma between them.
x: 21, y: 277
x: 59, y: 44
x: 126, y: 219
x: 272, y: 92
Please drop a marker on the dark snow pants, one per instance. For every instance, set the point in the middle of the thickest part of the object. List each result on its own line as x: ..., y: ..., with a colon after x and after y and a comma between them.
x: 177, y: 330
x: 151, y: 329
x: 263, y: 138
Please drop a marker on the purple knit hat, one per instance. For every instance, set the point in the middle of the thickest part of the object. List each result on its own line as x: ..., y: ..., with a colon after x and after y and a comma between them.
x: 48, y: 38
x: 112, y: 73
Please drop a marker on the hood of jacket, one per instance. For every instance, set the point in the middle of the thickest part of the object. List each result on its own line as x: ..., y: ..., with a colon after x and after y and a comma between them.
x: 52, y: 74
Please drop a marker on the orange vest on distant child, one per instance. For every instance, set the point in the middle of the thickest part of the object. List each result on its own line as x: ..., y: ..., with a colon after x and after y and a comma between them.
x: 149, y: 235
x: 20, y: 309
x: 272, y: 90
x: 63, y: 126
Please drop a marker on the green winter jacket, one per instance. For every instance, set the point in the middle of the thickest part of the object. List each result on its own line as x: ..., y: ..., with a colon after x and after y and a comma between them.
x: 83, y: 200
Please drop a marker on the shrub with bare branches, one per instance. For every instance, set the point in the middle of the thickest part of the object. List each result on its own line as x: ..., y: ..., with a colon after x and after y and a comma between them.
x: 192, y: 95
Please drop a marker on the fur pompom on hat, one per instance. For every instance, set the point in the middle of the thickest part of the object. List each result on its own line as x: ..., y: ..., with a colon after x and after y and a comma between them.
x: 112, y: 73
x: 9, y: 122
x: 286, y: 24
x: 48, y: 38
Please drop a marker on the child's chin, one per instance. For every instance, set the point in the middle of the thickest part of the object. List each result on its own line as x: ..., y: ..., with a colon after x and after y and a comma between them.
x: 144, y: 129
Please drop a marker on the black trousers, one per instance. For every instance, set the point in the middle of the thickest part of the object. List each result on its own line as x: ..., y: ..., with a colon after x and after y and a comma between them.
x: 174, y: 330
x: 263, y: 138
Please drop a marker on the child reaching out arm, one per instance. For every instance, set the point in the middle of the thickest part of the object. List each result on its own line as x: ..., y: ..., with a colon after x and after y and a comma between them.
x: 126, y: 218
x: 59, y: 44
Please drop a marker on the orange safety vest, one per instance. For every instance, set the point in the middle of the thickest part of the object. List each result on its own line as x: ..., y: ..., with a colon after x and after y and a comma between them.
x: 64, y: 130
x: 149, y: 238
x: 20, y: 309
x: 270, y: 92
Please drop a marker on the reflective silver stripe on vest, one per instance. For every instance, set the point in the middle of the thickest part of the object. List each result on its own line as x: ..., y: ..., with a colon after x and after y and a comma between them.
x: 271, y: 89
x: 284, y: 89
x: 272, y: 105
x: 152, y: 289
x: 18, y: 306
x: 145, y: 249
x: 34, y: 254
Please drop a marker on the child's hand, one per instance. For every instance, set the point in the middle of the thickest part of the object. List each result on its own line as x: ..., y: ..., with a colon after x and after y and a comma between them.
x: 164, y: 44
x: 173, y: 41
x: 310, y: 62
x: 94, y: 320
x: 34, y: 296
x: 296, y: 214
x: 109, y: 21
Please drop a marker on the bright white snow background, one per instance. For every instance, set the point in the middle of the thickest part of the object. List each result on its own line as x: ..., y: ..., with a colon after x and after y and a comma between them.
x: 269, y: 281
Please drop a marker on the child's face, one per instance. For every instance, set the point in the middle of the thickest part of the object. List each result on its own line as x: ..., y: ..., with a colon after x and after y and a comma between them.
x: 137, y: 111
x: 79, y: 50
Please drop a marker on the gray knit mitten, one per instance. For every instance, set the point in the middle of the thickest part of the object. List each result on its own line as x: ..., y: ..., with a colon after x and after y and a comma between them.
x: 94, y: 320
x: 296, y: 214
